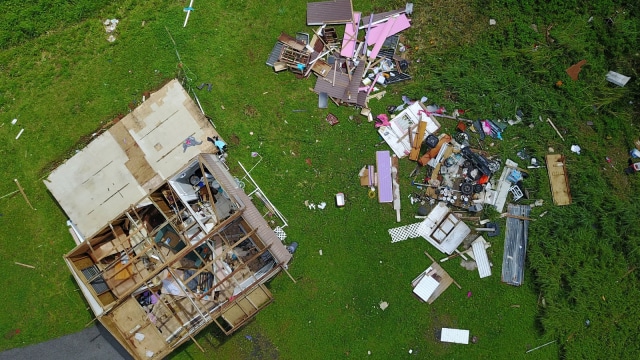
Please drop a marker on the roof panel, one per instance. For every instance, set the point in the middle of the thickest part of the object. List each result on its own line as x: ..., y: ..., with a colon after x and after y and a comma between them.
x: 329, y: 12
x: 132, y: 158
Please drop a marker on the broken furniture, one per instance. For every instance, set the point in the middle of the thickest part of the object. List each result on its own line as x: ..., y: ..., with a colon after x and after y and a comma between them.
x: 399, y: 133
x: 443, y: 229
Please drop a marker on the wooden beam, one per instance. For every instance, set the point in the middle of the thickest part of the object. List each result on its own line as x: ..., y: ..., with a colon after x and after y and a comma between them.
x: 23, y: 194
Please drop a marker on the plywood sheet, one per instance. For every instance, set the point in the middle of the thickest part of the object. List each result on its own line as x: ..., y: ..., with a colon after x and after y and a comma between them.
x: 558, y: 179
x: 130, y: 319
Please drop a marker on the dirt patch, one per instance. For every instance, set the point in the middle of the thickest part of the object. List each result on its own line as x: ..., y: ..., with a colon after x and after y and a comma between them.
x: 261, y: 348
x: 445, y: 24
x: 432, y: 335
x: 250, y: 111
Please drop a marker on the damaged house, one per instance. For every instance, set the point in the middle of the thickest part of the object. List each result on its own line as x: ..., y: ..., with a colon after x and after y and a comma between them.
x: 167, y: 240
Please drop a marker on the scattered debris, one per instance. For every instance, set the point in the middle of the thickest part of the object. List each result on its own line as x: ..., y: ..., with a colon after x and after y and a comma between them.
x: 383, y: 164
x: 576, y: 149
x: 383, y: 305
x: 24, y: 195
x: 340, y: 200
x: 20, y: 133
x: 555, y: 128
x: 616, y: 78
x: 24, y: 265
x: 541, y: 346
x: 480, y: 255
x: 492, y: 22
x: 188, y: 10
x: 292, y: 247
x: 110, y: 27
x: 348, y: 69
x: 575, y: 69
x: 11, y: 333
x: 332, y: 119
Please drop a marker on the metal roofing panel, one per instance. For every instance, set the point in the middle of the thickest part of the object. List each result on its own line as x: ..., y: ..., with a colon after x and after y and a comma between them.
x: 329, y: 12
x: 515, y: 245
x: 275, y: 53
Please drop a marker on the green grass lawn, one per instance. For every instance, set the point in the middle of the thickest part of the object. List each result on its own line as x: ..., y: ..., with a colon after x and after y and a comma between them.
x: 62, y: 80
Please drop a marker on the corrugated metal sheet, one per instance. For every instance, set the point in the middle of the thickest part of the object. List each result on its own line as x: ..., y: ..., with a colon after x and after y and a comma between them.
x: 329, y: 12
x: 515, y: 245
x: 458, y: 336
x: 275, y: 53
x: 480, y: 253
x: 251, y: 213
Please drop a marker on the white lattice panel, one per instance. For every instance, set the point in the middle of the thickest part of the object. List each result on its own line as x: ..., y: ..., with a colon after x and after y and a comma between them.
x: 404, y: 232
x: 280, y: 233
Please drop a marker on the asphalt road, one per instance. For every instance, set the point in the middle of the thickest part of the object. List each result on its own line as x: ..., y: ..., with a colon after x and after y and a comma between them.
x: 93, y: 343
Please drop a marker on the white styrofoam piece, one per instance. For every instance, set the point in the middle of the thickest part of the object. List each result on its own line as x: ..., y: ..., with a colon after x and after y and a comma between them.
x: 617, y: 78
x: 458, y: 336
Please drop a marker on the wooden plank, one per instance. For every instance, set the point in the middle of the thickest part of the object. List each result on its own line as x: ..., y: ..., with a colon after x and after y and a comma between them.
x: 558, y: 179
x: 416, y: 143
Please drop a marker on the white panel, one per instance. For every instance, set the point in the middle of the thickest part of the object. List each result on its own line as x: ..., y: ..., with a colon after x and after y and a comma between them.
x: 457, y: 336
x: 426, y: 287
x: 480, y: 253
